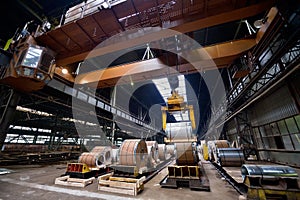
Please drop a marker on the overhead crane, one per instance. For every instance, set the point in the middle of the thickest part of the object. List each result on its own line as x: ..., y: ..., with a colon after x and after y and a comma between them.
x: 72, y: 42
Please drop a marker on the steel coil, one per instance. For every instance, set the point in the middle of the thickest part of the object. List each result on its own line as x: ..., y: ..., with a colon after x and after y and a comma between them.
x: 104, y: 153
x: 268, y: 170
x: 185, y: 154
x: 221, y: 144
x: 152, y: 147
x: 99, y: 156
x: 115, y: 155
x: 171, y: 149
x: 133, y: 152
x: 90, y: 159
x: 213, y: 146
x: 162, y: 152
x: 179, y: 132
x: 230, y: 157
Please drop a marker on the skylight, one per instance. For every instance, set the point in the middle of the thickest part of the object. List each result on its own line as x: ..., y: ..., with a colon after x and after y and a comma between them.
x: 164, y: 88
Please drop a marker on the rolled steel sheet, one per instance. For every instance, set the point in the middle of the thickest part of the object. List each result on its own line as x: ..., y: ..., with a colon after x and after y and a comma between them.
x: 268, y: 170
x: 213, y: 146
x: 221, y: 144
x: 104, y: 153
x: 90, y: 159
x: 133, y: 152
x: 171, y: 149
x: 185, y: 154
x: 100, y: 155
x: 179, y: 132
x: 150, y: 151
x: 115, y: 155
x: 162, y: 152
x: 152, y: 147
x: 230, y: 157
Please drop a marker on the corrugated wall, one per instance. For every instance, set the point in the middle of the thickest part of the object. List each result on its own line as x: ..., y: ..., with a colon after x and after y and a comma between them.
x: 279, y: 105
x: 276, y: 106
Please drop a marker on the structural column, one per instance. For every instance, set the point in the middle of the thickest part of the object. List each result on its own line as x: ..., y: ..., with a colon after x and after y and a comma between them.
x: 8, y: 101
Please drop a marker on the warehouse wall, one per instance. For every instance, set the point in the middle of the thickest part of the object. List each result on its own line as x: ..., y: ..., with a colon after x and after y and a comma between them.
x: 275, y: 122
x: 278, y: 105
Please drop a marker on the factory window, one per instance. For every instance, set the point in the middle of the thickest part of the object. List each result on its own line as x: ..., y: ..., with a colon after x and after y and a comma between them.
x: 291, y: 125
x: 270, y: 137
x: 46, y: 62
x: 297, y: 119
x: 258, y: 138
x: 264, y: 137
x: 32, y: 57
x: 285, y: 135
x: 279, y: 142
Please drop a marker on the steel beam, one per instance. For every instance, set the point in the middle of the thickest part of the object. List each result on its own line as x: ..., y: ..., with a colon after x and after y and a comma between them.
x: 165, y: 33
x: 218, y: 55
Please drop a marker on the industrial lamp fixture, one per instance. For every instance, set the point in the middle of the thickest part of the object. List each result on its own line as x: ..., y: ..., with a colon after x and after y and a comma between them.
x: 258, y: 23
x: 64, y: 71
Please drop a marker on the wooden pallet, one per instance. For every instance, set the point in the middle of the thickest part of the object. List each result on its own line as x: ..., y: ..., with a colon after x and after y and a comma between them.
x: 75, y: 182
x: 121, y: 185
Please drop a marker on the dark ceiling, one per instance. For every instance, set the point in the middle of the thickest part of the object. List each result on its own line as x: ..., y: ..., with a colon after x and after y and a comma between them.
x: 15, y: 13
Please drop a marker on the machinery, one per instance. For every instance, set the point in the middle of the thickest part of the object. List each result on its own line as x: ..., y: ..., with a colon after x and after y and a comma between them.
x: 181, y: 130
x: 30, y: 67
x: 188, y: 171
x: 176, y: 104
x: 271, y: 182
x: 79, y: 170
x: 91, y: 164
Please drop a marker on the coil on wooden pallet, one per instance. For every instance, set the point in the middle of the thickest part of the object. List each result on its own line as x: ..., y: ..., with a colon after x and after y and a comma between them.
x: 99, y: 156
x: 185, y: 154
x: 230, y: 157
x: 162, y: 152
x: 152, y: 147
x: 133, y: 152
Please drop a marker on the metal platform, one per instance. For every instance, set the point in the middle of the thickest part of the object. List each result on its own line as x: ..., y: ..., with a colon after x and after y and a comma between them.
x: 234, y: 173
x: 193, y: 184
x: 192, y: 177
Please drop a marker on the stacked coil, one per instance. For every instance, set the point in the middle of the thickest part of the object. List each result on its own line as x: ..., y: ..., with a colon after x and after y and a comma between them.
x: 162, y: 152
x: 99, y: 156
x: 133, y: 152
x: 230, y: 157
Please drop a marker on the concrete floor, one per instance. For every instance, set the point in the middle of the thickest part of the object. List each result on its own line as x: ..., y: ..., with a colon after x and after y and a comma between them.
x: 36, y: 182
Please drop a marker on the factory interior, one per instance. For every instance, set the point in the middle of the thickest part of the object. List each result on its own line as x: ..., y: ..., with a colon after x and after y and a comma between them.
x: 150, y: 99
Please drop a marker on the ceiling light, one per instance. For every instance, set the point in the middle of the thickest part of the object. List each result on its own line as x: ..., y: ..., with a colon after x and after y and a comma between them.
x: 260, y: 22
x: 64, y: 71
x: 105, y: 5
